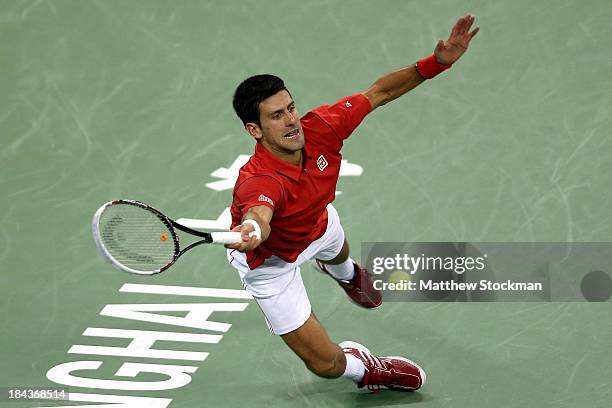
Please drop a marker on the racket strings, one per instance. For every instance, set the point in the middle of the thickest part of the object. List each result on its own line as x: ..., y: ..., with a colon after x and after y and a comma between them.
x: 137, y: 237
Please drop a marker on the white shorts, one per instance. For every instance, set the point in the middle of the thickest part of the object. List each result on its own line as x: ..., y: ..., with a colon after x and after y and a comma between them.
x: 277, y: 285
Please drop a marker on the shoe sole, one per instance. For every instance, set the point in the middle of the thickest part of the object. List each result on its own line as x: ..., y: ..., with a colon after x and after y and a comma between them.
x: 362, y: 306
x: 355, y: 345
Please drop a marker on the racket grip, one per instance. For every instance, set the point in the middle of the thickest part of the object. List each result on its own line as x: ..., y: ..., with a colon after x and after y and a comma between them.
x: 226, y: 237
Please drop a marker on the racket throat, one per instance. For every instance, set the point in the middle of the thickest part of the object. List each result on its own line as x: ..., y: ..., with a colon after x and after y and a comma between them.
x: 187, y: 248
x: 206, y: 235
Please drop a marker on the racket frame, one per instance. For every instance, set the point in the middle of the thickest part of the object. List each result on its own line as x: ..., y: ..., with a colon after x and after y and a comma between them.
x: 170, y: 224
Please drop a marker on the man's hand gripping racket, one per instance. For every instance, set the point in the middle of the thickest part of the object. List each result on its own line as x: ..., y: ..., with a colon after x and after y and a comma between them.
x: 137, y: 238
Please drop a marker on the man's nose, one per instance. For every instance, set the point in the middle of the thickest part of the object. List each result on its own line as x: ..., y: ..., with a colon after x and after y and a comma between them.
x: 291, y: 118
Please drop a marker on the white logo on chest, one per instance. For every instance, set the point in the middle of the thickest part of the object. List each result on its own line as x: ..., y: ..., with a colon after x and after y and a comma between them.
x: 322, y: 163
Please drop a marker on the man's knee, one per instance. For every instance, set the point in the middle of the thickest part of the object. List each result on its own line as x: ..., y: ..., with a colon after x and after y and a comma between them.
x: 312, y: 344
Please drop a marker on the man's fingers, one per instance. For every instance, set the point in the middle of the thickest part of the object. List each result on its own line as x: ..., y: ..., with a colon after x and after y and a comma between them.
x: 249, y: 239
x: 466, y: 23
x: 469, y: 25
x: 474, y: 32
x: 462, y: 26
x: 254, y: 242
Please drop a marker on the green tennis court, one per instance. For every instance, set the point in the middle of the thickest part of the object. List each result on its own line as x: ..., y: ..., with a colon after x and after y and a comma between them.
x: 132, y: 99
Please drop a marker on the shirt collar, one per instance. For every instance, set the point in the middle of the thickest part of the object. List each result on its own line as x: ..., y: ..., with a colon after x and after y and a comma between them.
x: 290, y: 170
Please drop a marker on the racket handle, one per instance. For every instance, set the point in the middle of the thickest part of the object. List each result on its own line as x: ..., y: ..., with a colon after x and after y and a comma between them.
x: 226, y: 237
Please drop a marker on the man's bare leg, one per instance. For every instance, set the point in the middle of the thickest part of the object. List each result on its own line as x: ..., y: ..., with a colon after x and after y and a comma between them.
x: 326, y: 359
x: 312, y: 344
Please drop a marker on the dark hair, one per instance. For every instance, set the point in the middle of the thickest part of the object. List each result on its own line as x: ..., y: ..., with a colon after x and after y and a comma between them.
x: 251, y: 92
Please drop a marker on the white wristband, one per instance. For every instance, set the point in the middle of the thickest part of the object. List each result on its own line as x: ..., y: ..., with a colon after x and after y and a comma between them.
x: 256, y: 226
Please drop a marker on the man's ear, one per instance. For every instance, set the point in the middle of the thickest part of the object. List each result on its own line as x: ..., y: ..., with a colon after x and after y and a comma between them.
x: 254, y: 130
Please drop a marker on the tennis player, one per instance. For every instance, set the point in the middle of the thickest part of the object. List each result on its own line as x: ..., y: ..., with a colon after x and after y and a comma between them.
x: 282, y: 206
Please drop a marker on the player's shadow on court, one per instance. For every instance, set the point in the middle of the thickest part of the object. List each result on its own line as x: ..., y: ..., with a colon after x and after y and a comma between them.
x: 346, y: 394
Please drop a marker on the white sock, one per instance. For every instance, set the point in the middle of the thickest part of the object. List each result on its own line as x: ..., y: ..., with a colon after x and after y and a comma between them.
x: 355, y: 369
x: 343, y: 271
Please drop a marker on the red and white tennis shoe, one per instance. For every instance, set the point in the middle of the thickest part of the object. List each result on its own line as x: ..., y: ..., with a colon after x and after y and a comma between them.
x: 397, y: 373
x: 360, y: 289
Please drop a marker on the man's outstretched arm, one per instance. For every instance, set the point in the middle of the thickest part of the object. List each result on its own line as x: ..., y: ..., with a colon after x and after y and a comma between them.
x: 395, y: 84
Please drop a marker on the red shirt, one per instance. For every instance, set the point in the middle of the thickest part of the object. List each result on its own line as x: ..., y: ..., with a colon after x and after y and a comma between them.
x: 298, y: 195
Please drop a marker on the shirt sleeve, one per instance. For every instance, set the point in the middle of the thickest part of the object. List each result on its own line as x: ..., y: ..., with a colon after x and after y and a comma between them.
x: 258, y: 190
x: 345, y: 115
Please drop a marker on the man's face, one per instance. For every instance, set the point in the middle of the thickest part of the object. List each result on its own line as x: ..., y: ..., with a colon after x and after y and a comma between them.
x: 280, y: 131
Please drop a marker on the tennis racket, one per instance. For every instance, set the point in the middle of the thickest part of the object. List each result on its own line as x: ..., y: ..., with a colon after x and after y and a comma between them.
x: 137, y: 238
